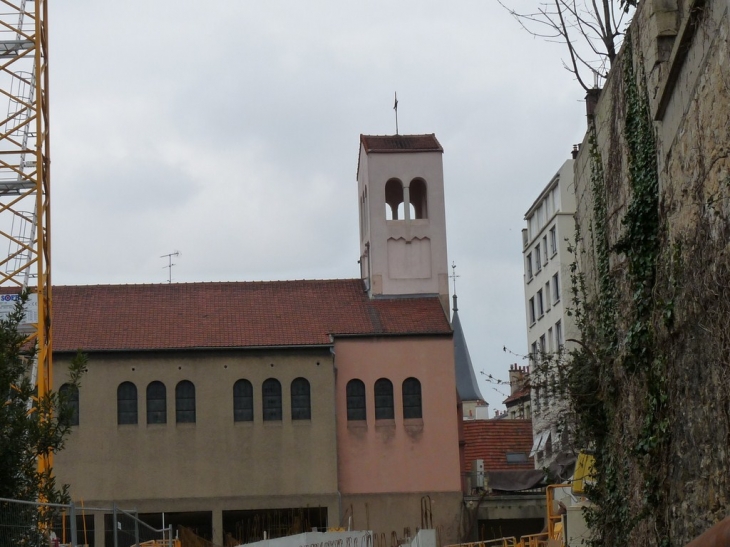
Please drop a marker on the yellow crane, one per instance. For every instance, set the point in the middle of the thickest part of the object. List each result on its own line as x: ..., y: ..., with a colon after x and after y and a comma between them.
x: 25, y: 212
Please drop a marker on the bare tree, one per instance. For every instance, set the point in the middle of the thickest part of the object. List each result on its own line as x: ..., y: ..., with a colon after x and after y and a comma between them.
x: 592, y: 30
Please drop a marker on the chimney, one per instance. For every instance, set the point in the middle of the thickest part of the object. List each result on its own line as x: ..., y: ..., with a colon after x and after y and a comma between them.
x: 591, y: 101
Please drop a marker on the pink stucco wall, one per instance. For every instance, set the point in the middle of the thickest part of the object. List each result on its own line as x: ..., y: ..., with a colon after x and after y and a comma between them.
x: 398, y: 455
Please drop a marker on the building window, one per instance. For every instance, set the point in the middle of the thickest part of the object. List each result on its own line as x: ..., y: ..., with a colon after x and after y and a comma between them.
x: 559, y: 335
x: 534, y: 352
x: 553, y: 241
x: 412, y: 399
x: 531, y: 310
x: 156, y: 403
x: 556, y: 289
x: 271, y: 391
x: 393, y: 199
x: 185, y: 402
x: 528, y: 265
x: 547, y: 296
x: 384, y: 400
x: 242, y: 401
x: 417, y: 197
x: 301, y: 408
x: 355, y: 392
x: 126, y: 403
x: 550, y: 339
x: 516, y: 457
x: 544, y: 246
x: 70, y: 398
x: 538, y: 262
x: 540, y: 304
x: 543, y: 347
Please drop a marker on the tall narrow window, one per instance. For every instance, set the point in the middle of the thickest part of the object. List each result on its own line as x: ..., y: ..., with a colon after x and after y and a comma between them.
x: 556, y: 288
x: 393, y: 199
x: 156, y: 403
x: 384, y: 400
x: 531, y: 310
x: 538, y: 261
x: 412, y: 398
x: 185, y: 402
x: 242, y: 401
x: 355, y: 392
x: 528, y: 265
x: 547, y: 296
x: 545, y: 251
x: 70, y: 397
x: 553, y: 241
x: 417, y: 194
x: 559, y: 335
x: 301, y: 408
x: 127, y: 403
x: 271, y: 391
x: 540, y: 307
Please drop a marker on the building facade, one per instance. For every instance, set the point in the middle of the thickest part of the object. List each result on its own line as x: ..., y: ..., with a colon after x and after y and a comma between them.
x: 546, y: 240
x: 252, y: 407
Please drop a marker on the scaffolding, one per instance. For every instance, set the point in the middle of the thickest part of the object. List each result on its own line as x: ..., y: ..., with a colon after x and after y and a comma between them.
x: 25, y: 254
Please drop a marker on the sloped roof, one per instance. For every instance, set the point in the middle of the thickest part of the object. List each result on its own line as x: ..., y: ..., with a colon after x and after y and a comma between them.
x: 466, y: 380
x: 229, y: 315
x: 523, y: 394
x: 491, y: 440
x: 401, y: 143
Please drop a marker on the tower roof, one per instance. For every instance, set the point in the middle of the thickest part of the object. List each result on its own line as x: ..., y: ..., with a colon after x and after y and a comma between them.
x: 400, y: 143
x: 466, y: 381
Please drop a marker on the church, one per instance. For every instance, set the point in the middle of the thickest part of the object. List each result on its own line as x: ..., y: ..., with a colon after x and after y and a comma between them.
x: 238, y: 408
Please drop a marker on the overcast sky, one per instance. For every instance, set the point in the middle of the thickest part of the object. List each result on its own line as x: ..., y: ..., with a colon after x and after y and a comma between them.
x: 228, y: 130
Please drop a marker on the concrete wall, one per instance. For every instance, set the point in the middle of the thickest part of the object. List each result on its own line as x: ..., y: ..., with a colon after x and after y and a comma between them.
x: 390, y: 464
x: 213, y: 464
x: 406, y: 256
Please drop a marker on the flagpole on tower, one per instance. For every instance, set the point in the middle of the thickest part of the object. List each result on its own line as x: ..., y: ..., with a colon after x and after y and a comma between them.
x: 395, y: 107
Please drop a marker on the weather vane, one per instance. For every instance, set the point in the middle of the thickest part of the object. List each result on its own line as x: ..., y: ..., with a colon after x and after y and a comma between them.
x: 395, y: 107
x: 170, y: 264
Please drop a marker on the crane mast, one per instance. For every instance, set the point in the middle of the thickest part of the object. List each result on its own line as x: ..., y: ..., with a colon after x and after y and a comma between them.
x: 25, y: 213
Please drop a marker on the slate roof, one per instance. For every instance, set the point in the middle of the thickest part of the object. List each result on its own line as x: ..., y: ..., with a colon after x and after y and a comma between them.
x: 466, y: 381
x: 401, y: 143
x: 491, y: 440
x: 234, y: 314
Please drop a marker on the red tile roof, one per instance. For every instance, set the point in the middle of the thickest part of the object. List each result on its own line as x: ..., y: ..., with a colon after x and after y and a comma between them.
x: 227, y: 315
x: 491, y: 440
x: 401, y: 143
x: 517, y: 395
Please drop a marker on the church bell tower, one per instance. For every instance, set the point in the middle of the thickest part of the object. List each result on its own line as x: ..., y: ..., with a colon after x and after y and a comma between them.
x: 400, y: 182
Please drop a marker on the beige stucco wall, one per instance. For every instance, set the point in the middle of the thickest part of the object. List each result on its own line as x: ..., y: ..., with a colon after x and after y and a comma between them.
x: 404, y: 256
x: 399, y: 456
x: 213, y: 458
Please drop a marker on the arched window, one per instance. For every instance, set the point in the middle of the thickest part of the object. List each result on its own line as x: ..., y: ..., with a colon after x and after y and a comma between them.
x: 70, y: 397
x: 242, y: 401
x: 412, y: 399
x: 271, y: 391
x: 393, y: 198
x: 417, y: 195
x: 185, y: 402
x: 156, y: 403
x: 355, y: 400
x: 384, y: 400
x: 127, y: 403
x: 300, y: 402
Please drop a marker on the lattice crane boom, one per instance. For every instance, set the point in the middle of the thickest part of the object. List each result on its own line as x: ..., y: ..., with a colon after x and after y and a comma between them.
x: 25, y: 212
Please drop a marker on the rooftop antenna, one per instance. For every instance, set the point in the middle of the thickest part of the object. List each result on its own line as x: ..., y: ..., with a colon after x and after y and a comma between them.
x: 454, y: 276
x: 395, y: 107
x: 170, y: 264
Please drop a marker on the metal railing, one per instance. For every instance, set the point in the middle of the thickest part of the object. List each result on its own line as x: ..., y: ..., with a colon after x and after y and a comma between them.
x: 36, y: 524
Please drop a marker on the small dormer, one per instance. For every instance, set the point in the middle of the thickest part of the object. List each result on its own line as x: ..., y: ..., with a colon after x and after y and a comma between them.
x: 402, y: 216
